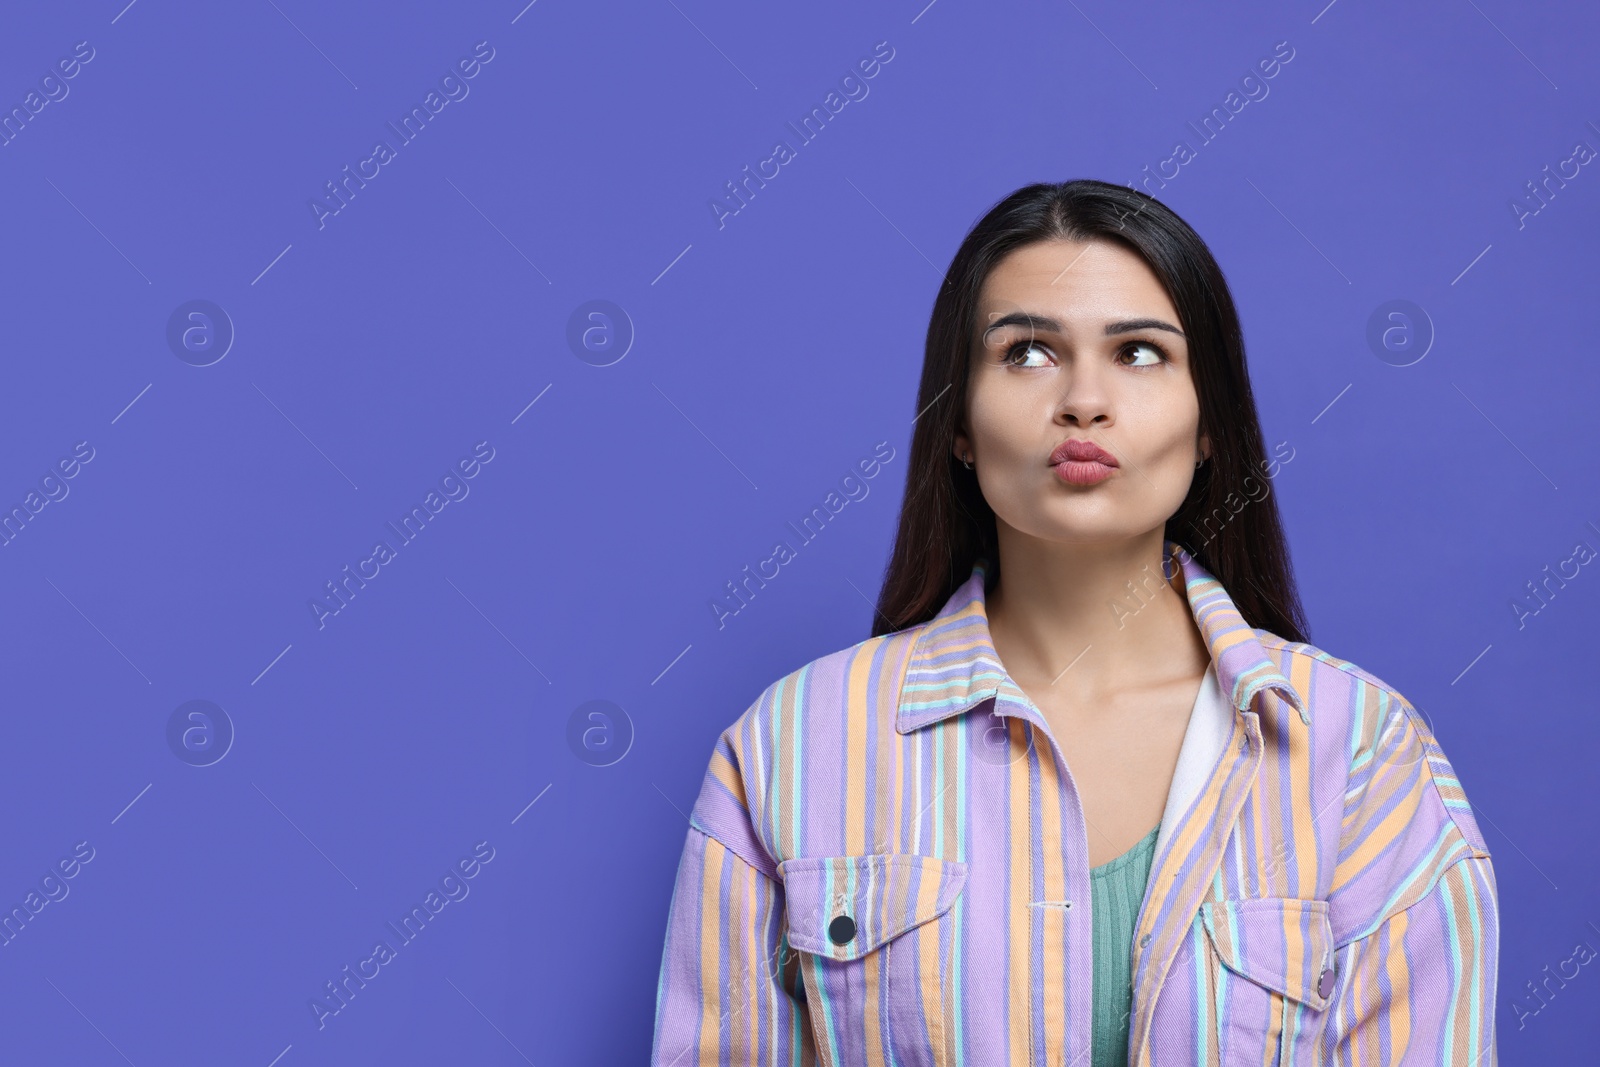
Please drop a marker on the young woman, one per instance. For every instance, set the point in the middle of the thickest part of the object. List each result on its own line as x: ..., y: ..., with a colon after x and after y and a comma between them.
x: 1087, y: 796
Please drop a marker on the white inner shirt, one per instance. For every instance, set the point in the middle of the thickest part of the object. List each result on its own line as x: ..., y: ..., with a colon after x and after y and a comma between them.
x: 1210, y: 723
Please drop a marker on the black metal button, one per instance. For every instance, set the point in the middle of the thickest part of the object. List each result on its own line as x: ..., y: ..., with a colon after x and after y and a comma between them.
x: 842, y: 929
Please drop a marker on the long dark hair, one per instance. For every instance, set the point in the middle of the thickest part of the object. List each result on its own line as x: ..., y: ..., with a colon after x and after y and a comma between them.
x: 1229, y: 520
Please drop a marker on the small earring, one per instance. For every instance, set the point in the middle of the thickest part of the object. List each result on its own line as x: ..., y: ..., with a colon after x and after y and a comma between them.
x: 967, y: 464
x: 1199, y: 463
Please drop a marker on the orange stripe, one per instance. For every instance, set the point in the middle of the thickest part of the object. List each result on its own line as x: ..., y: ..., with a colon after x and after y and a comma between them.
x: 930, y: 972
x: 1304, y: 837
x: 1400, y: 986
x: 745, y: 959
x: 1055, y: 888
x: 1019, y: 984
x: 710, y: 965
x: 724, y: 772
x: 855, y: 756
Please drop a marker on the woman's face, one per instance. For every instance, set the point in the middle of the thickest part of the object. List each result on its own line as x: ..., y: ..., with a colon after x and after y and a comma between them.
x: 1079, y: 342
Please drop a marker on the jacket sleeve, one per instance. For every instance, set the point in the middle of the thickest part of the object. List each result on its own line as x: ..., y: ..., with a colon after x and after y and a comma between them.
x: 1421, y: 987
x: 730, y: 990
x: 1417, y: 928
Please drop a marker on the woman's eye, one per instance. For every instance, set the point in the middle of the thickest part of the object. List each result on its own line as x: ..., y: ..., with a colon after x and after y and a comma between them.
x: 1024, y: 347
x: 1157, y: 356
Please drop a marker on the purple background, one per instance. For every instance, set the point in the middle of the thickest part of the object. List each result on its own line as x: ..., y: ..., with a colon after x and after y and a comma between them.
x: 770, y: 354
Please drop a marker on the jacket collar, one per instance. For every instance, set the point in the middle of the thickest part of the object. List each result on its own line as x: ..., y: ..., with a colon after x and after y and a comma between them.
x: 954, y: 668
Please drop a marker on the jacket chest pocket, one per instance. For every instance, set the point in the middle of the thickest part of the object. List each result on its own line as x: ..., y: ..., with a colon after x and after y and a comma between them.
x: 1275, y: 978
x: 876, y: 935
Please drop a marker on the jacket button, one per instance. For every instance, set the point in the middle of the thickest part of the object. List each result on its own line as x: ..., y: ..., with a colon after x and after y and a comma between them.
x: 1325, y: 983
x: 1145, y: 940
x: 842, y: 929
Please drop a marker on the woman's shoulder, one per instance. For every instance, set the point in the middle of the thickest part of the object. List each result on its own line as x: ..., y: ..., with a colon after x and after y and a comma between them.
x: 1314, y: 661
x: 822, y: 706
x: 790, y: 740
x: 824, y: 686
x: 1385, y: 734
x: 1344, y: 698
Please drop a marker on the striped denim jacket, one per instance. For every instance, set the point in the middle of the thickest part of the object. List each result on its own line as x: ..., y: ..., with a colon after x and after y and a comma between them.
x: 887, y: 863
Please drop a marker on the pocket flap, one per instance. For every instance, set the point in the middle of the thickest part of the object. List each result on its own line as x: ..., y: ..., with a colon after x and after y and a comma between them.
x: 1282, y: 943
x: 843, y: 907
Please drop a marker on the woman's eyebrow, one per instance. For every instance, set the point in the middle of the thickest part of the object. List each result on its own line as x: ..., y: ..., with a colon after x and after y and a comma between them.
x: 1049, y: 325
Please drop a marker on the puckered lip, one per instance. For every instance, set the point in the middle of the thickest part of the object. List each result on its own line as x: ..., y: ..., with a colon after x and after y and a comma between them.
x: 1081, y: 451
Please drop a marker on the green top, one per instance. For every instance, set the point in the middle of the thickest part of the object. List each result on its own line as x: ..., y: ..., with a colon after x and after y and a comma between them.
x: 1116, y: 891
